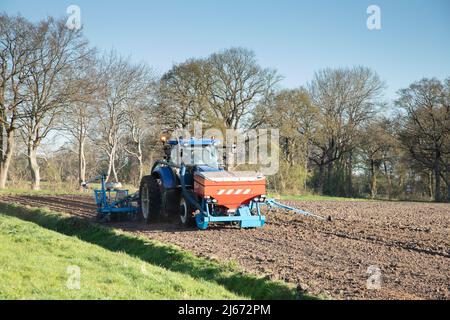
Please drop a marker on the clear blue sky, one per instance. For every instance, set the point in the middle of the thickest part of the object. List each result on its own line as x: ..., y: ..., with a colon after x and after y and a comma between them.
x: 295, y: 37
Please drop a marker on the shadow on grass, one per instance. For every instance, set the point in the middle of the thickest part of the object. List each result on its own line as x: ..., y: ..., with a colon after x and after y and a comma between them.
x: 167, y: 256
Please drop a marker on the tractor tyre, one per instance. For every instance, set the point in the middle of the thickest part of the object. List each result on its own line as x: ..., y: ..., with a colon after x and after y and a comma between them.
x: 170, y: 203
x: 186, y: 214
x: 150, y: 199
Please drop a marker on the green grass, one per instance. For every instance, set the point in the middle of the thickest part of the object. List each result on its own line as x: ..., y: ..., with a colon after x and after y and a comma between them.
x: 33, y: 263
x: 44, y: 192
x: 313, y: 197
x: 47, y: 189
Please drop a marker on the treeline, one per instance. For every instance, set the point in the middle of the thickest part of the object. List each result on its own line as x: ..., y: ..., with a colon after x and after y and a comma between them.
x: 337, y: 134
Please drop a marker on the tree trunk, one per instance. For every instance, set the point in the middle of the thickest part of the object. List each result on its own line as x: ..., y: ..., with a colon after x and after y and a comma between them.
x: 401, y: 183
x: 34, y: 168
x: 430, y: 184
x: 328, y: 188
x: 114, y: 170
x: 141, y: 164
x: 111, y: 160
x: 389, y: 181
x: 437, y: 181
x: 446, y: 179
x: 6, y: 158
x: 320, y: 180
x: 81, y: 164
x: 282, y: 182
x: 448, y: 192
x: 447, y: 170
x: 350, y: 175
x: 373, y: 180
x: 141, y: 169
x: 389, y: 188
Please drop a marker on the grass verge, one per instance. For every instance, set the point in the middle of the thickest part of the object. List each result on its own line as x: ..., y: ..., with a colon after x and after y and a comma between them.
x: 37, y: 263
x: 155, y: 253
x: 42, y: 192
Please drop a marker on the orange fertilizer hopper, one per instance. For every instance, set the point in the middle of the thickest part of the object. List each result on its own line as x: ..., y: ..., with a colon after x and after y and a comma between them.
x: 230, y: 189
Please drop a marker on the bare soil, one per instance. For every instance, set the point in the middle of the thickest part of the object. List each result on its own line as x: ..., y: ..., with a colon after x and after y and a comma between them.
x: 408, y: 242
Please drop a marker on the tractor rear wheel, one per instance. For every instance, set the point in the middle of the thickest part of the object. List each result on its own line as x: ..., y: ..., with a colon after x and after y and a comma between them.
x: 186, y: 213
x: 150, y: 198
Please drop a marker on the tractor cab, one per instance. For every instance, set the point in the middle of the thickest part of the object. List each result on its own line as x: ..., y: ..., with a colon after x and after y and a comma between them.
x: 193, y: 153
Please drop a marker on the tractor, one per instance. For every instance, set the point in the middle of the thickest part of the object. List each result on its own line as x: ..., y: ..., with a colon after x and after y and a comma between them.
x: 190, y: 186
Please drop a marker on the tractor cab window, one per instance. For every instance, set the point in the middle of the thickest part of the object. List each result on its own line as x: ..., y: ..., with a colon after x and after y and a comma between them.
x: 174, y: 156
x: 208, y: 156
x: 195, y: 155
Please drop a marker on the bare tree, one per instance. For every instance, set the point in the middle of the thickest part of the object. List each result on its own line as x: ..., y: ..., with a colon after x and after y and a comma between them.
x: 125, y: 90
x: 426, y: 128
x: 346, y: 99
x: 140, y: 115
x: 237, y: 84
x: 16, y: 48
x: 292, y: 112
x: 183, y: 91
x: 376, y: 142
x: 51, y: 85
x: 79, y: 118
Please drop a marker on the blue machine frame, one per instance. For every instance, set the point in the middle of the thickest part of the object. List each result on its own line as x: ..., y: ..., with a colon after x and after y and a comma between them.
x: 248, y: 216
x: 245, y: 215
x: 114, y: 201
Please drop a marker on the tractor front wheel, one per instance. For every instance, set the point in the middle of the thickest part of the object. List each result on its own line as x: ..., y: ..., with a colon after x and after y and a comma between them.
x: 150, y: 198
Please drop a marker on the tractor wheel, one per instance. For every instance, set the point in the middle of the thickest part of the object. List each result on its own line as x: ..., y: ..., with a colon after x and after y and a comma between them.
x: 202, y: 224
x: 150, y: 198
x: 186, y: 214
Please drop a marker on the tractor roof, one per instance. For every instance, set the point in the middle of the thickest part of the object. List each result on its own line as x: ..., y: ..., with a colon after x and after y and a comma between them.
x: 193, y: 142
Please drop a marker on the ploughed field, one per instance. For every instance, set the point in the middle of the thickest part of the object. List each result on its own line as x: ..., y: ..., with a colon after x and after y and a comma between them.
x: 371, y: 250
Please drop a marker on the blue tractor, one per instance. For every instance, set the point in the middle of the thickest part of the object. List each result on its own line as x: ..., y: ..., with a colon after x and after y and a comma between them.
x: 191, y: 188
x: 188, y: 186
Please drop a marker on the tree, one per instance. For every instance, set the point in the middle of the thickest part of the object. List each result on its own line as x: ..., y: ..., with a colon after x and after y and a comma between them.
x: 236, y: 85
x: 79, y: 118
x: 221, y: 90
x: 183, y: 91
x: 140, y: 114
x: 346, y: 100
x: 425, y: 131
x: 51, y: 85
x: 16, y: 48
x: 125, y: 97
x: 292, y: 112
x: 376, y: 143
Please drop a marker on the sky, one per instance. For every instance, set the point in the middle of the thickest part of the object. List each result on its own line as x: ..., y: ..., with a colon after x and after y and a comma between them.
x: 296, y: 37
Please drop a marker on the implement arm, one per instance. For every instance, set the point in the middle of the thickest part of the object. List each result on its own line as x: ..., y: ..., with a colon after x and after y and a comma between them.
x: 273, y: 204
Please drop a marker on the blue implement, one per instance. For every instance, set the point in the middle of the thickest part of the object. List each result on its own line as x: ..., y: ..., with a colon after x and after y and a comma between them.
x: 243, y: 217
x: 114, y: 201
x: 273, y: 204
